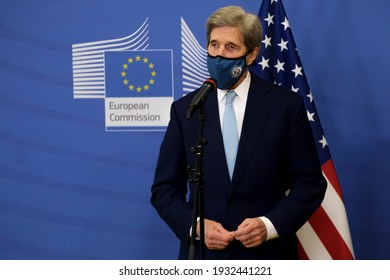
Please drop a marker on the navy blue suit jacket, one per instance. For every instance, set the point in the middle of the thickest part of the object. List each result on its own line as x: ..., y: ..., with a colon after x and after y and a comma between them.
x: 276, y: 153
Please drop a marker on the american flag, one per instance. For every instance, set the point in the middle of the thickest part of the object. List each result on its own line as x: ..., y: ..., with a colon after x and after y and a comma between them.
x: 326, y: 235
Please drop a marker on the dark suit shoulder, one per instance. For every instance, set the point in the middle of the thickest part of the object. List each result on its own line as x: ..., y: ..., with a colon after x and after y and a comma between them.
x: 186, y: 99
x: 273, y: 91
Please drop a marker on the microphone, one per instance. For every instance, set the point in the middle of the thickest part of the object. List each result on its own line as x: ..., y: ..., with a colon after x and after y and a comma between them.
x: 208, y: 87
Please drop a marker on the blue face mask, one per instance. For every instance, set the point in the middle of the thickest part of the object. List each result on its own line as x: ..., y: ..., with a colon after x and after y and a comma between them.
x: 227, y: 71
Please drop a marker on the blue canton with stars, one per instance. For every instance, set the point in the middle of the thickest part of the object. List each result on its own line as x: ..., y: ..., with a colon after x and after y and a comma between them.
x: 279, y: 62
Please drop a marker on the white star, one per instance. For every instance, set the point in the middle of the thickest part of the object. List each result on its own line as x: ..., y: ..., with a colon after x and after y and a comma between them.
x: 272, y: 1
x: 323, y: 141
x: 267, y: 41
x: 285, y: 23
x: 270, y: 19
x: 294, y: 89
x: 297, y: 70
x: 283, y: 45
x: 264, y: 63
x: 310, y: 95
x: 279, y: 66
x: 310, y: 116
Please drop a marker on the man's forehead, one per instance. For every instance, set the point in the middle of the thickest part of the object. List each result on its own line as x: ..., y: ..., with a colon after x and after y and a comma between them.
x: 226, y: 34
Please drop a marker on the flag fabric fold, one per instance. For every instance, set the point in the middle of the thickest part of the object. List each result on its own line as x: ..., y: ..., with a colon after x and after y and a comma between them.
x: 326, y: 235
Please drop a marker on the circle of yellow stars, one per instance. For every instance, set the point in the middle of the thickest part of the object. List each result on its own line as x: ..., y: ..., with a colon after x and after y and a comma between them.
x: 138, y: 88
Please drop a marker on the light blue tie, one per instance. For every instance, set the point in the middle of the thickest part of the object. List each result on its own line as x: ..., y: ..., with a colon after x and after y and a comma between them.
x: 230, y: 132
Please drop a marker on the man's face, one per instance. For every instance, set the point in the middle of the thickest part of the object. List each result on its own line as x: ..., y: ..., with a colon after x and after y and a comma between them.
x: 227, y: 42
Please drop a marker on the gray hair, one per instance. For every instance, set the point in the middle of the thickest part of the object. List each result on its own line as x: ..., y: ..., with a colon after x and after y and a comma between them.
x: 234, y: 16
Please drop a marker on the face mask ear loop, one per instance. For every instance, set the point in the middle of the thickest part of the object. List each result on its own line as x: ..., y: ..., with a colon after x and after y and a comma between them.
x: 254, y: 62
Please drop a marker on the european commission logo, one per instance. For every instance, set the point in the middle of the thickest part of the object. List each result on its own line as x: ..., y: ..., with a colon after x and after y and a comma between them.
x: 139, y: 89
x: 135, y: 82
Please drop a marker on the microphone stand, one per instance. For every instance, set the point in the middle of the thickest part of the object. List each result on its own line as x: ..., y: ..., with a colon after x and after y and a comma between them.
x: 196, y: 177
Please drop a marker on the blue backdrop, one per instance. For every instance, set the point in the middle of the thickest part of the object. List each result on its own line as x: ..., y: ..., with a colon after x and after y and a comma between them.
x: 70, y: 189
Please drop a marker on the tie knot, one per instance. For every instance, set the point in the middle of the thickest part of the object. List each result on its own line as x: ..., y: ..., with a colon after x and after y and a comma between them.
x: 230, y: 96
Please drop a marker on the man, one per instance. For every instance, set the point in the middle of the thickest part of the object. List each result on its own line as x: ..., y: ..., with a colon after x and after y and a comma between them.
x: 248, y: 214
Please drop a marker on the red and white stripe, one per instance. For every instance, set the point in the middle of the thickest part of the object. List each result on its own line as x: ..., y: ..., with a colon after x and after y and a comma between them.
x: 326, y: 235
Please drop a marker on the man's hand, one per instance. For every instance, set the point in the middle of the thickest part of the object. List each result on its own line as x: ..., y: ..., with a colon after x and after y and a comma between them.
x: 216, y: 236
x: 251, y: 232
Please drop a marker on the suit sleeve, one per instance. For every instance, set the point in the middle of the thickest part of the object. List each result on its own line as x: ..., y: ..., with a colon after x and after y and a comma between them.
x: 305, y: 176
x: 169, y: 188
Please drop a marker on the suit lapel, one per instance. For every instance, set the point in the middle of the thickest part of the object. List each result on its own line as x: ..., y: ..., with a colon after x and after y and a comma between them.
x: 255, y: 116
x: 215, y: 149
